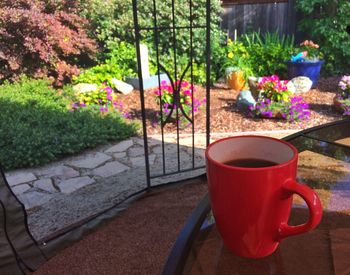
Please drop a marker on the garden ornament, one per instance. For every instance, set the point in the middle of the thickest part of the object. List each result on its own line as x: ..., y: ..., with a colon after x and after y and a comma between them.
x: 299, y: 57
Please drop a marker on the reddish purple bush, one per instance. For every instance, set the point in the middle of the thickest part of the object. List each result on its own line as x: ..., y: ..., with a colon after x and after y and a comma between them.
x: 42, y: 38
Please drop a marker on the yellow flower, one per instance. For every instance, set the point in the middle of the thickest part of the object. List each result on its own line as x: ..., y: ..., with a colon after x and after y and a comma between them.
x: 230, y: 55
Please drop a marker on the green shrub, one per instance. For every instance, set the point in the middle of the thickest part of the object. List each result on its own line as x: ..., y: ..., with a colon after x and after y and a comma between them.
x: 268, y: 53
x: 120, y: 63
x: 36, y: 126
x: 114, y: 23
x: 325, y: 22
x: 42, y: 38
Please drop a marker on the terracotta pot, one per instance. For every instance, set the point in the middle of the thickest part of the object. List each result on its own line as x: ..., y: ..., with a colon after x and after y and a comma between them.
x: 236, y: 81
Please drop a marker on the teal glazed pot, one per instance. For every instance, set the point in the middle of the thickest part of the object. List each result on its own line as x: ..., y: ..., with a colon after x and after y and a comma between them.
x: 310, y: 69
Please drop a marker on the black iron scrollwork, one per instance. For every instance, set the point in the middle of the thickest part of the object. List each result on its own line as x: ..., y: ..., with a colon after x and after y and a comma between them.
x: 176, y: 87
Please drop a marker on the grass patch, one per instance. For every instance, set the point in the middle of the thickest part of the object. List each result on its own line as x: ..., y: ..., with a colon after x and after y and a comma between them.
x: 36, y: 126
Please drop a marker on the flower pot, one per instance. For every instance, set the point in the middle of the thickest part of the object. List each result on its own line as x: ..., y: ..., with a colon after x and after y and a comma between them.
x: 310, y: 69
x: 236, y: 81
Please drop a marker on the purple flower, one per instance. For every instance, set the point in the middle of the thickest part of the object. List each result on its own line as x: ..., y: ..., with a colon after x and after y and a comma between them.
x: 267, y: 113
x: 126, y: 115
x: 103, y: 109
x: 108, y: 89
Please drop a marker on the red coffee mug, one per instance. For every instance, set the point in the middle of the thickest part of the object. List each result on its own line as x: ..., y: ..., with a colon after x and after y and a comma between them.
x: 251, y: 206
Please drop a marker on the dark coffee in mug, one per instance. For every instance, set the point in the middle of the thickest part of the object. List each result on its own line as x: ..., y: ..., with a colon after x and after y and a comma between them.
x: 250, y: 163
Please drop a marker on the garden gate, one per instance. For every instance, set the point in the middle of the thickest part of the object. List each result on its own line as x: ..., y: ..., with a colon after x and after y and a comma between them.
x: 178, y: 65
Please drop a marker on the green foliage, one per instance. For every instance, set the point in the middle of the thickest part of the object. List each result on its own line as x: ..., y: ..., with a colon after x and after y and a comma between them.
x: 268, y: 53
x: 260, y: 55
x: 96, y: 97
x: 238, y: 58
x: 312, y: 49
x: 120, y: 63
x: 326, y: 22
x: 36, y: 126
x: 114, y: 22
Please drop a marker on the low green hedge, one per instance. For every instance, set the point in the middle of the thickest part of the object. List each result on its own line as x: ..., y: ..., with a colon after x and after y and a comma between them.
x: 36, y: 126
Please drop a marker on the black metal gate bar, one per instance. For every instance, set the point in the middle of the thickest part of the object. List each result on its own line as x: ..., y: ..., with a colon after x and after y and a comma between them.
x: 156, y: 41
x: 142, y: 96
x: 192, y: 82
x: 208, y: 51
x: 176, y: 95
x: 174, y: 81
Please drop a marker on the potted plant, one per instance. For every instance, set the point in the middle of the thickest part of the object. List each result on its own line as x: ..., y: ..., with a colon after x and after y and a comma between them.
x: 342, y: 99
x: 306, y: 63
x: 237, y: 66
x: 276, y: 101
x: 235, y: 78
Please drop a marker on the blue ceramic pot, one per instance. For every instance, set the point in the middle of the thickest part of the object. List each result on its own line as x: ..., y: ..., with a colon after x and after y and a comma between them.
x: 311, y: 69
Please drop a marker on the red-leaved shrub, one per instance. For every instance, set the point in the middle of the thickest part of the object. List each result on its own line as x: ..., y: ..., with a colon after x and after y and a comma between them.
x: 42, y: 38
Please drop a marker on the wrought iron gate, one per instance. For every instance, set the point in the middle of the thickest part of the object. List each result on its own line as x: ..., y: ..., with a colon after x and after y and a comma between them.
x: 175, y: 79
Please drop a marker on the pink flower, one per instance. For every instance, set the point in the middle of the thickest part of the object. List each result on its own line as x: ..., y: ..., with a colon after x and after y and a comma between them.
x: 187, y: 92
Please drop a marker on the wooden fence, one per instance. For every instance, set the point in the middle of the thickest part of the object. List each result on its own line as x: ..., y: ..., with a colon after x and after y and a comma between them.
x: 241, y: 18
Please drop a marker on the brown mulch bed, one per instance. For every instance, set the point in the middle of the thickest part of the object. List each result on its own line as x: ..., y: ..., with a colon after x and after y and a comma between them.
x: 225, y: 116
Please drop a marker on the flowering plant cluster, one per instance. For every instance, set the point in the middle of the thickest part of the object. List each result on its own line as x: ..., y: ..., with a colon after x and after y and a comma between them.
x: 344, y: 86
x: 311, y: 49
x: 165, y: 96
x: 272, y: 88
x: 344, y: 94
x: 102, y: 99
x: 293, y: 110
x: 275, y: 100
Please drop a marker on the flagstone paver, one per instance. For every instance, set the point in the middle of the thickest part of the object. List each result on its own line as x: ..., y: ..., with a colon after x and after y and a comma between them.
x: 46, y: 185
x: 19, y: 177
x: 136, y: 151
x: 61, y: 171
x: 71, y: 185
x: 140, y: 161
x: 21, y: 188
x: 120, y: 147
x: 119, y: 155
x: 34, y: 198
x: 110, y: 169
x: 91, y: 161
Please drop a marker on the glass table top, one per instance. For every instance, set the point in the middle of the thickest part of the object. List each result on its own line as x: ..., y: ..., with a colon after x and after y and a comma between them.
x: 324, y: 155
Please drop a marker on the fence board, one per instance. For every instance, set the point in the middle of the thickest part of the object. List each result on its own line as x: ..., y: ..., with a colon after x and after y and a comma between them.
x: 266, y: 17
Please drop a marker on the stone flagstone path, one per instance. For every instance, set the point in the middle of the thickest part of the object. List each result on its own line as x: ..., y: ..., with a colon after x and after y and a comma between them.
x: 71, y: 189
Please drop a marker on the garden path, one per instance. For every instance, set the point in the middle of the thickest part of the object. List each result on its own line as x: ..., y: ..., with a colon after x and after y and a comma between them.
x: 66, y: 191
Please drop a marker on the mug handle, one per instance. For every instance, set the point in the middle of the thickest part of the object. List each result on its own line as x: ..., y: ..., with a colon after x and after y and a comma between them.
x: 312, y: 201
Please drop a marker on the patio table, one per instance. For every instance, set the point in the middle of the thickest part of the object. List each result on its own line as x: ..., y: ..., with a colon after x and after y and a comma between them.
x: 324, y: 155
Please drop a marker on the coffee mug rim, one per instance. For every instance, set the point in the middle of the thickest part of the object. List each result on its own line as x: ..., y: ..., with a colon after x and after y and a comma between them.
x: 295, y: 154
